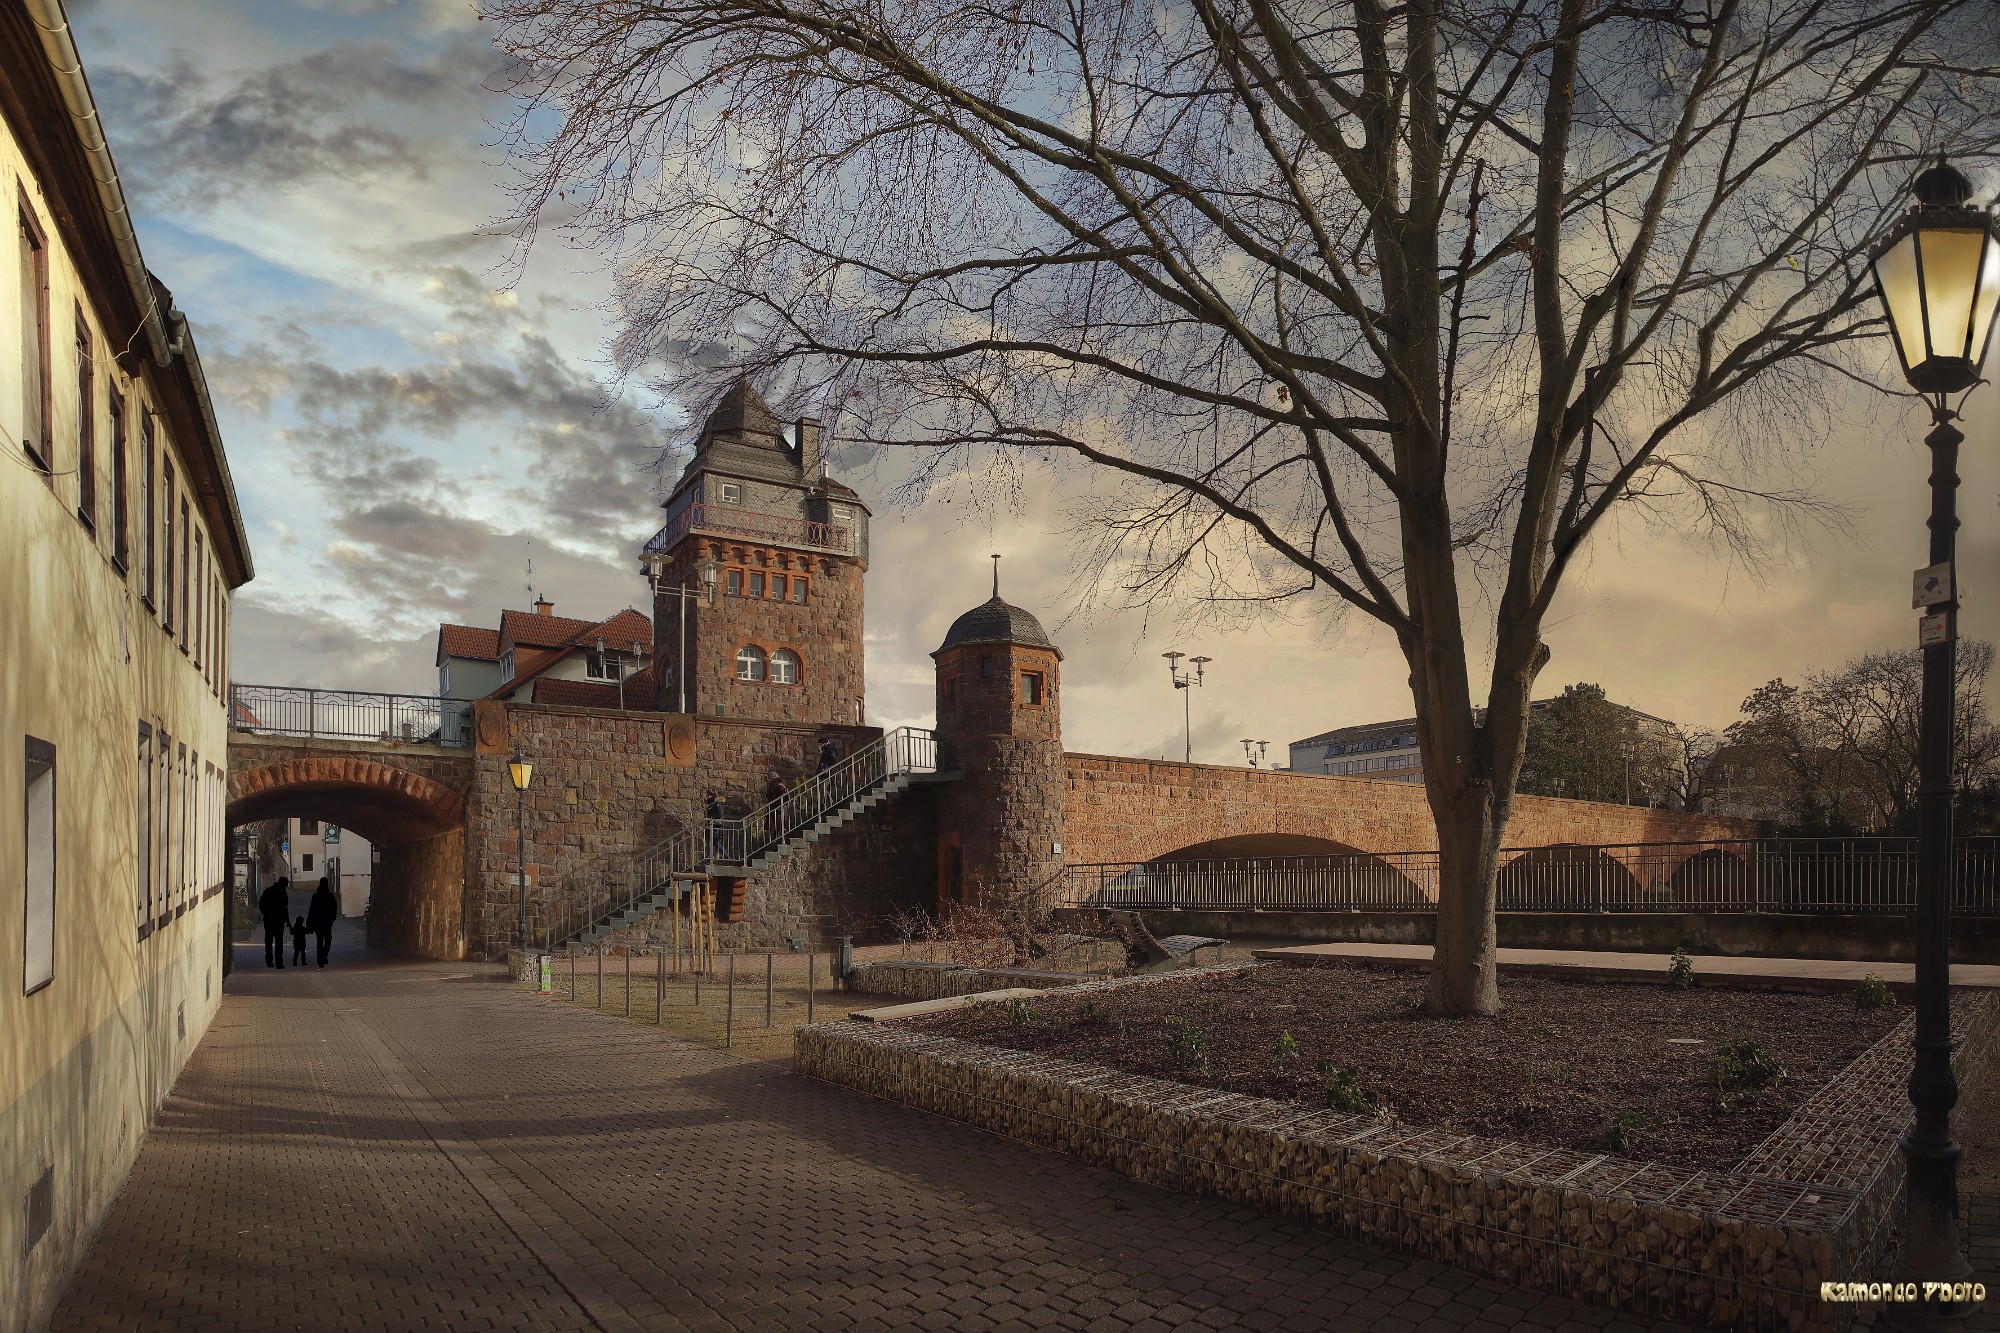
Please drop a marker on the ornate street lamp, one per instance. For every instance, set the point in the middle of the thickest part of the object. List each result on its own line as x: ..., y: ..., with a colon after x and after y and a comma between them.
x: 1938, y: 275
x: 520, y: 772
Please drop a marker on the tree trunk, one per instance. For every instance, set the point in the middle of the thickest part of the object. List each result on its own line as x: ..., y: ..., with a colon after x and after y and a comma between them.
x: 1463, y: 980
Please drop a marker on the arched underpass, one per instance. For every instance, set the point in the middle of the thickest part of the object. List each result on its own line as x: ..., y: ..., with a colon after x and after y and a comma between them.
x: 1273, y: 870
x: 410, y: 804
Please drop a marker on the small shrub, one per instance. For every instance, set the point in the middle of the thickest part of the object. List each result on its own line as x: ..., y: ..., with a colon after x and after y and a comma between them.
x: 1621, y: 1131
x: 1090, y: 1013
x: 1343, y: 1093
x: 980, y: 1005
x: 1680, y: 969
x: 1743, y: 1069
x: 1020, y: 1012
x: 1872, y: 994
x: 1287, y: 1048
x: 1187, y: 1044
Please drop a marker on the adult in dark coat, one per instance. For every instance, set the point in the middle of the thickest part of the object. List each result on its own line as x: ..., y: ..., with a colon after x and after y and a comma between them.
x: 276, y: 905
x: 321, y: 912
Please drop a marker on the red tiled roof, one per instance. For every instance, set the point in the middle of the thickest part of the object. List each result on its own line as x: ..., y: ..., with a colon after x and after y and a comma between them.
x: 537, y: 631
x: 620, y: 632
x: 468, y: 641
x: 596, y: 694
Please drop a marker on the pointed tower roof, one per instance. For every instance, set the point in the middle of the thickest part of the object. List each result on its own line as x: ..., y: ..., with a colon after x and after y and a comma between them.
x: 742, y: 411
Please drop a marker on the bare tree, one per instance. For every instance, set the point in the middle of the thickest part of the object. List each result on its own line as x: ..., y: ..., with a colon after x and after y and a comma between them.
x: 1385, y: 307
x: 1841, y: 751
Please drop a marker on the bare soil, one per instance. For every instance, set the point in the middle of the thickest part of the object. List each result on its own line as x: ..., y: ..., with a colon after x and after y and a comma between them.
x: 1555, y: 1068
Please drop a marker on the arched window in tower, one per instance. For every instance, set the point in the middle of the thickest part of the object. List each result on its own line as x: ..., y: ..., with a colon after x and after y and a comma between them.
x: 784, y: 667
x: 750, y: 662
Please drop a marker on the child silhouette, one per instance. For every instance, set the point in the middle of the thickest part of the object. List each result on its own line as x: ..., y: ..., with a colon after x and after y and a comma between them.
x: 299, y: 941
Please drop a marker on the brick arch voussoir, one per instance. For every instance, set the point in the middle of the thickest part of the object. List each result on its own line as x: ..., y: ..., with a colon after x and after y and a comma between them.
x: 442, y: 803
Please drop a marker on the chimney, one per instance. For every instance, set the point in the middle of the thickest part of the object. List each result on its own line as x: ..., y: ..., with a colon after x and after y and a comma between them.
x: 544, y: 607
x: 808, y: 438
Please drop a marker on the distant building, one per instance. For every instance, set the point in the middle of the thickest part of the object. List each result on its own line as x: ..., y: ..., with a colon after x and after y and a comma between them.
x: 1388, y: 751
x: 540, y: 657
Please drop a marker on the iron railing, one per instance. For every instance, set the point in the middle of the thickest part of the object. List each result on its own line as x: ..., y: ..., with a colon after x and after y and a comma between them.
x: 725, y: 844
x: 750, y: 524
x: 1832, y: 875
x: 350, y: 715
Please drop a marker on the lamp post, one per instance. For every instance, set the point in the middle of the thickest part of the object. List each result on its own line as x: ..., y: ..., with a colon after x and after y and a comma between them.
x: 1938, y: 276
x: 1254, y: 750
x: 520, y: 772
x: 707, y: 571
x: 1183, y: 681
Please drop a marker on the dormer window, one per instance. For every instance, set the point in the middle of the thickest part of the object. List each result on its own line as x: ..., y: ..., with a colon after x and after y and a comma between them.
x: 729, y: 492
x: 603, y: 666
x: 507, y: 666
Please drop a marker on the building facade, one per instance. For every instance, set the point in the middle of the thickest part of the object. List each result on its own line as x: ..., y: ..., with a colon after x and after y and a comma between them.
x: 1388, y: 751
x: 757, y: 575
x: 123, y: 545
x: 536, y: 656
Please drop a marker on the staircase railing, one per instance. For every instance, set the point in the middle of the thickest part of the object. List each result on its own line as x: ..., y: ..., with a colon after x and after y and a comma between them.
x: 734, y: 842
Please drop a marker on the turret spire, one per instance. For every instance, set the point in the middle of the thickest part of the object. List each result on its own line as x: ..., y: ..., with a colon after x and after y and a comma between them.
x: 996, y: 576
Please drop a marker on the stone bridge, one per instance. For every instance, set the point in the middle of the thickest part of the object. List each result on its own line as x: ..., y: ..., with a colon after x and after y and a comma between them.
x: 1131, y: 810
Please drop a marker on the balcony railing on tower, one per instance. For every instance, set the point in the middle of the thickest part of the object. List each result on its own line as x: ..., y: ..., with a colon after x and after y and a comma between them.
x: 750, y: 525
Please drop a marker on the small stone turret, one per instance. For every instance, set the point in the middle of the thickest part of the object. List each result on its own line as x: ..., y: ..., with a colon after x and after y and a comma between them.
x: 999, y: 722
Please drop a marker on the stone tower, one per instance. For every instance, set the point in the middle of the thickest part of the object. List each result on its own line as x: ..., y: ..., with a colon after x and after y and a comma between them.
x: 999, y: 722
x: 755, y: 518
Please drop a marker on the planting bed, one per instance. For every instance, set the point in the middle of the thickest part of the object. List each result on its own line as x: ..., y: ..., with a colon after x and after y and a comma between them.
x: 1556, y: 1069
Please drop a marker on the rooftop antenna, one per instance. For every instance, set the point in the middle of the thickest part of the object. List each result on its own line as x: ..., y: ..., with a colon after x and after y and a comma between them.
x: 996, y: 577
x: 531, y: 574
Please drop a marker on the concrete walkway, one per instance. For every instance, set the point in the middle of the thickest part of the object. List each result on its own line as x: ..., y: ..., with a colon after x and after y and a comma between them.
x: 393, y: 1145
x: 1817, y: 973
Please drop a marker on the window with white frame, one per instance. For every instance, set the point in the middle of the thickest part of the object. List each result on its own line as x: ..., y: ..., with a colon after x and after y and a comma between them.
x: 507, y: 665
x: 729, y: 493
x: 750, y: 662
x: 784, y: 667
x: 603, y: 666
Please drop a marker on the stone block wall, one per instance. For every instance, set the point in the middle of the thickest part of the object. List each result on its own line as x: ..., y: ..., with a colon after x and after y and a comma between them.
x: 825, y: 633
x: 605, y: 788
x: 1002, y: 825
x: 419, y: 896
x: 935, y: 981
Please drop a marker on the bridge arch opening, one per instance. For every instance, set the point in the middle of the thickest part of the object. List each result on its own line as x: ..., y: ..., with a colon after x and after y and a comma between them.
x: 1276, y: 871
x: 1566, y: 877
x: 416, y: 824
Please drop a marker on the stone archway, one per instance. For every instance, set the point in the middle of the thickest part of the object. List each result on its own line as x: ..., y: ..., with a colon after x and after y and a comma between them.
x: 410, y: 805
x: 1273, y: 871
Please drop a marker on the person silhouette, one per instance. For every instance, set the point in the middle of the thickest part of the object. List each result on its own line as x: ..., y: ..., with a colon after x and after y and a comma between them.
x: 299, y: 941
x: 275, y: 903
x: 321, y: 913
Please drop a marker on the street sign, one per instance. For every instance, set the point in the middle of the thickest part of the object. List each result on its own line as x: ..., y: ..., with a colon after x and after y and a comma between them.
x: 1933, y: 630
x: 1932, y: 587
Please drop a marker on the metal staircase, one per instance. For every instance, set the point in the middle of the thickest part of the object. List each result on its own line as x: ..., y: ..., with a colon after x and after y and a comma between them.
x: 657, y: 879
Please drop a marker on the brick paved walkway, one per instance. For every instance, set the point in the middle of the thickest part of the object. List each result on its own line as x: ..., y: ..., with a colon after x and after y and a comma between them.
x: 389, y: 1145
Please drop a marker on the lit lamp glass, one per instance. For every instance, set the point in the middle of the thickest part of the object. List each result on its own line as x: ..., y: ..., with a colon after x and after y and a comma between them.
x: 519, y: 771
x: 1939, y: 278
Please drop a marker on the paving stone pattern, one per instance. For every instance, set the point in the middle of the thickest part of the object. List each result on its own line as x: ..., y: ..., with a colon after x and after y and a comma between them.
x: 392, y: 1145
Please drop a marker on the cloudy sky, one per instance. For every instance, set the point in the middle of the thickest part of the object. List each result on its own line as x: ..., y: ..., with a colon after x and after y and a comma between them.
x: 412, y: 419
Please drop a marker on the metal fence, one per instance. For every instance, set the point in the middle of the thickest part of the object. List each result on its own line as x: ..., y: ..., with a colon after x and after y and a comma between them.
x: 1858, y: 875
x: 621, y: 882
x: 350, y: 715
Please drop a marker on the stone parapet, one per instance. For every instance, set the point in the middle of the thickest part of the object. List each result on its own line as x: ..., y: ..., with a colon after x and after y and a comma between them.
x: 1742, y: 1249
